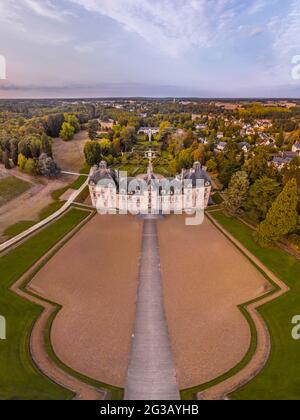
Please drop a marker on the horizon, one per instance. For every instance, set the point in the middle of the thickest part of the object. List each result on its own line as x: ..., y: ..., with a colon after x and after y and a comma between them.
x: 149, y: 98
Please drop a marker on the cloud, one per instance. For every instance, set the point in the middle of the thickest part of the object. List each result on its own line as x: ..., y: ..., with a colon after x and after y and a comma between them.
x: 256, y: 31
x: 39, y: 28
x: 172, y: 26
x: 10, y: 14
x: 286, y: 31
x: 257, y: 6
x: 45, y: 9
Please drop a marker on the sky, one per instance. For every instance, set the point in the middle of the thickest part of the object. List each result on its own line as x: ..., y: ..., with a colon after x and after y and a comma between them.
x: 170, y: 48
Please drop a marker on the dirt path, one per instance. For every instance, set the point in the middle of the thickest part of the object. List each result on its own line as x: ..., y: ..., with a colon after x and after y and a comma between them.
x: 94, y: 278
x: 69, y: 154
x: 205, y: 279
x: 28, y: 205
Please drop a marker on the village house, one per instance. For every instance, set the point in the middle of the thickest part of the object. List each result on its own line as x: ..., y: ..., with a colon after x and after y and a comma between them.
x: 221, y: 146
x: 244, y: 146
x: 201, y: 127
x: 280, y: 162
x: 203, y: 140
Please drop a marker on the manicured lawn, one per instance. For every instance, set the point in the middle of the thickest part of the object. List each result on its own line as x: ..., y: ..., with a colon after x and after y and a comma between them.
x: 78, y: 183
x: 11, y: 187
x: 19, y: 378
x: 281, y: 377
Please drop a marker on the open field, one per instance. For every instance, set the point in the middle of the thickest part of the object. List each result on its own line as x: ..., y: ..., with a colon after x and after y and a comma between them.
x: 280, y: 378
x: 205, y: 279
x: 11, y: 187
x: 69, y: 154
x: 94, y: 279
x: 28, y: 206
x: 19, y: 378
x: 41, y: 200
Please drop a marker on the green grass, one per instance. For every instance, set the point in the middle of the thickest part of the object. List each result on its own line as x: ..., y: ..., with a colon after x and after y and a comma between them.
x: 22, y: 226
x: 83, y: 195
x: 53, y: 207
x: 218, y: 199
x: 78, y: 183
x: 11, y: 187
x: 50, y: 209
x: 19, y: 378
x: 18, y: 228
x: 280, y: 379
x: 86, y: 169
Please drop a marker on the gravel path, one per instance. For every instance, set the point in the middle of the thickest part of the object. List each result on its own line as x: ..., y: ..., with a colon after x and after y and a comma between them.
x: 151, y: 373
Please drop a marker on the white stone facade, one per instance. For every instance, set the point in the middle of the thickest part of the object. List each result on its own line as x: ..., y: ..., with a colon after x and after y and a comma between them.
x: 111, y: 191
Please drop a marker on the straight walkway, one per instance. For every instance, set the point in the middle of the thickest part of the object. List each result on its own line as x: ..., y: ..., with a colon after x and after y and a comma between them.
x: 151, y: 373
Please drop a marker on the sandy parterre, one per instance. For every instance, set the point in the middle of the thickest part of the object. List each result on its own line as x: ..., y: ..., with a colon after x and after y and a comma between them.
x: 94, y: 278
x: 205, y: 279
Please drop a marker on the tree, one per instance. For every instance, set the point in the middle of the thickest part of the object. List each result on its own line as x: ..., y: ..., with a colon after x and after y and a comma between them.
x: 21, y: 161
x: 262, y: 195
x: 189, y: 139
x: 35, y: 148
x: 53, y: 124
x: 46, y: 145
x: 292, y: 171
x: 280, y: 138
x: 199, y: 154
x: 212, y: 165
x: 30, y: 167
x: 228, y: 169
x: 237, y: 192
x: 92, y: 152
x: 73, y: 121
x: 67, y: 131
x: 105, y: 146
x: 282, y: 218
x: 24, y: 148
x: 128, y: 138
x: 257, y: 166
x: 184, y: 160
x: 6, y: 160
x: 164, y: 133
x: 14, y: 148
x: 93, y: 127
x: 47, y: 167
